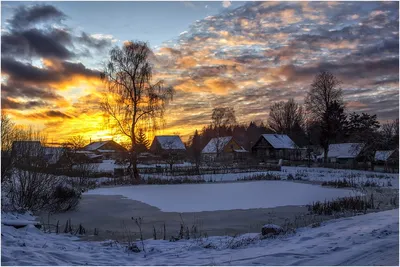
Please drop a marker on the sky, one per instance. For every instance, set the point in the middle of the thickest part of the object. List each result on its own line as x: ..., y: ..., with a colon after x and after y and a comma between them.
x: 245, y: 55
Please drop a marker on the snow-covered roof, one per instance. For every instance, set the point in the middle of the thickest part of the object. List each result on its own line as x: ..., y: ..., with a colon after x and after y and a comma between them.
x: 383, y: 155
x: 95, y: 145
x: 344, y: 150
x: 217, y: 142
x: 170, y: 142
x: 279, y: 141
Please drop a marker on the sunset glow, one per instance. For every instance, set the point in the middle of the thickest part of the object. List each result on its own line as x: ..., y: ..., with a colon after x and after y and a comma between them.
x: 245, y: 55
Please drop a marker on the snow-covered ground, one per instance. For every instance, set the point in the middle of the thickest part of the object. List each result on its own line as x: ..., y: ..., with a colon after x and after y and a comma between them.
x: 371, y: 239
x: 229, y: 196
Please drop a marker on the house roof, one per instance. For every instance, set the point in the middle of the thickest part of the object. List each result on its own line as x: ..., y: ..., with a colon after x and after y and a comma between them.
x: 344, y: 150
x: 95, y: 145
x: 217, y: 142
x: 280, y: 141
x: 169, y: 142
x: 383, y: 155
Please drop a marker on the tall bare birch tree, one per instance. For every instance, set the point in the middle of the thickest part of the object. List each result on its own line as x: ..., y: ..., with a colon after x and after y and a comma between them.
x: 131, y: 99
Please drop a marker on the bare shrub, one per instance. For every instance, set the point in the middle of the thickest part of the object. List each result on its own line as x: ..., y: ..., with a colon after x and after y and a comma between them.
x: 259, y: 177
x: 356, y: 203
x: 28, y: 190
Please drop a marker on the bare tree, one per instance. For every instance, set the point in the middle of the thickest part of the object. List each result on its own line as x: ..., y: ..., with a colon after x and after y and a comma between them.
x: 285, y: 116
x: 223, y: 117
x: 390, y: 134
x: 7, y: 137
x: 131, y: 99
x: 7, y: 132
x: 75, y: 143
x: 171, y: 155
x: 324, y: 91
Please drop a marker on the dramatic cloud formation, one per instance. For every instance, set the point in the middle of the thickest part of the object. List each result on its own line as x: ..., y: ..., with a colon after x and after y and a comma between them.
x: 270, y: 51
x: 246, y: 58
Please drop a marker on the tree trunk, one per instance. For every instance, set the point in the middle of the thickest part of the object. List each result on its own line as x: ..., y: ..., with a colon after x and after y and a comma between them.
x: 135, y: 173
x: 135, y: 178
x: 326, y: 150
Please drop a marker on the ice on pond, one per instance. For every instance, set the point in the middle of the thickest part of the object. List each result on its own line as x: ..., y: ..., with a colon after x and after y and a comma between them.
x: 225, y: 196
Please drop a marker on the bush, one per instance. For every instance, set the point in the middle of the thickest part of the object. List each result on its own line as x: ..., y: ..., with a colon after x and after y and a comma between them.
x: 341, y: 204
x: 259, y: 177
x: 34, y: 191
x: 184, y: 180
x: 338, y: 183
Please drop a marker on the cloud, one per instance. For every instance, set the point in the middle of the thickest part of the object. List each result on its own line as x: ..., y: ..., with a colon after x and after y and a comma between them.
x: 247, y: 57
x: 25, y: 17
x: 37, y: 43
x: 226, y: 4
x: 60, y: 71
x: 7, y: 103
x: 260, y: 52
x: 98, y: 42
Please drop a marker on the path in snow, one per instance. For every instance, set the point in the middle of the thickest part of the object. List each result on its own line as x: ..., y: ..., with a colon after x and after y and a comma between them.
x: 371, y: 239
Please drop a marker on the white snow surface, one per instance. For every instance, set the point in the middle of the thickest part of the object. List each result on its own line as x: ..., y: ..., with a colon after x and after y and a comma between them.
x: 170, y: 142
x: 371, y: 239
x: 383, y: 155
x: 280, y: 141
x: 225, y: 196
x: 214, y: 143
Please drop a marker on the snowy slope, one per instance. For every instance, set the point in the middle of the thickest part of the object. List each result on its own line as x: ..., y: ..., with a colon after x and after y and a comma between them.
x: 370, y: 239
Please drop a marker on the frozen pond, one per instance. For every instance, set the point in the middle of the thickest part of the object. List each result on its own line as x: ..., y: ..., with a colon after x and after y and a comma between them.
x: 225, y: 196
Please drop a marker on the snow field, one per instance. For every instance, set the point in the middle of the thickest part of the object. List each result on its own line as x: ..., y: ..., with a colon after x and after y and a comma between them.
x: 370, y: 239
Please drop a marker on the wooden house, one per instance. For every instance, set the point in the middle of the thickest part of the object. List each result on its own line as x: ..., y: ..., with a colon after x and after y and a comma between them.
x: 223, y: 149
x: 108, y: 149
x: 275, y: 147
x: 344, y: 153
x: 168, y: 147
x: 389, y: 159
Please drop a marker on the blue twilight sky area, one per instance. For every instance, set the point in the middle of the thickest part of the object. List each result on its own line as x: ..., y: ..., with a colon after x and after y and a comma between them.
x: 154, y: 22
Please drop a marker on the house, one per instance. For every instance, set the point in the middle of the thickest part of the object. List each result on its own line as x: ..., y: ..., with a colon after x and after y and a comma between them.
x: 168, y: 147
x: 388, y: 158
x: 108, y: 149
x: 223, y: 149
x: 383, y: 156
x: 275, y: 147
x: 345, y: 153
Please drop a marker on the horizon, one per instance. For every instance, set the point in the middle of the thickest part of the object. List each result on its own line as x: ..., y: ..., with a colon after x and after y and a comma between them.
x: 246, y: 55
